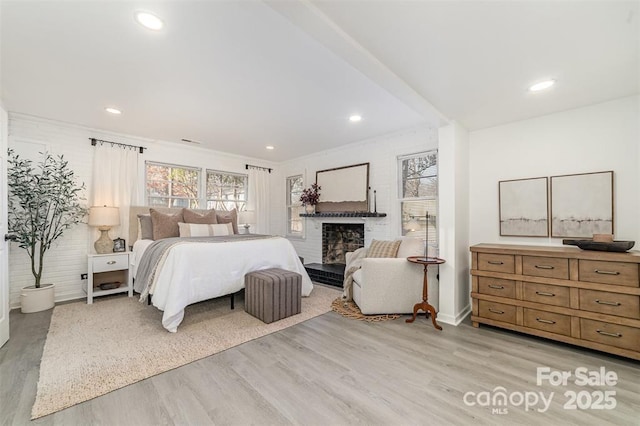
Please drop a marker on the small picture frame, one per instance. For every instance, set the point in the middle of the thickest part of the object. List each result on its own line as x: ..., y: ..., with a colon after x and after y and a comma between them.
x: 119, y: 245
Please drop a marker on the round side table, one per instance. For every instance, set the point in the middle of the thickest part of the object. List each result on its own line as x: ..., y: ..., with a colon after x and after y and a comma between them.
x: 424, y: 305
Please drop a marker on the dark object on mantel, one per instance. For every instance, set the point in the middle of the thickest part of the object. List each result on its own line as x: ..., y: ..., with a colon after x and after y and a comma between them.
x: 616, y: 246
x: 344, y: 214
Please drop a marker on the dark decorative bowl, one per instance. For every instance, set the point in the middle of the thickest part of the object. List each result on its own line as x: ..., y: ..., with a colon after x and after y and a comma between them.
x: 616, y: 246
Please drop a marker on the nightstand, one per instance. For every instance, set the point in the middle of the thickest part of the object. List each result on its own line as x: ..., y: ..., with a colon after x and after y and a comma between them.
x: 105, y: 270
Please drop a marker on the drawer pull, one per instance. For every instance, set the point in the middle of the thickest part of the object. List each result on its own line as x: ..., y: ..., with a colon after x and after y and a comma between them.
x: 604, y: 333
x: 544, y: 293
x: 598, y: 271
x: 495, y: 311
x: 544, y: 321
x: 497, y: 287
x: 111, y: 262
x: 495, y: 262
x: 604, y: 302
x: 544, y: 267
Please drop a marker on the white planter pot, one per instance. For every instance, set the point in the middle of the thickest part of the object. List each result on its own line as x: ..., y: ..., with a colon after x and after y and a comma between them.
x: 34, y: 299
x: 309, y: 209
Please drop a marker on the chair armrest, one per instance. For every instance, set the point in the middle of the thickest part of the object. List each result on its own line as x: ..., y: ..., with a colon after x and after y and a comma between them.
x: 390, y: 271
x: 388, y: 286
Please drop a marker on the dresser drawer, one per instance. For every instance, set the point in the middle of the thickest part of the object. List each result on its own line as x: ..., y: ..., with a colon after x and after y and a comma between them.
x: 618, y: 273
x: 497, y: 311
x: 620, y: 336
x: 496, y: 262
x: 622, y: 305
x: 549, y: 267
x: 547, y: 294
x: 110, y: 263
x: 497, y: 287
x: 547, y: 321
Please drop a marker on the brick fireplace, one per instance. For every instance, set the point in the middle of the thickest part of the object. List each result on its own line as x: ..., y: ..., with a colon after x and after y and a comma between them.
x: 337, y: 240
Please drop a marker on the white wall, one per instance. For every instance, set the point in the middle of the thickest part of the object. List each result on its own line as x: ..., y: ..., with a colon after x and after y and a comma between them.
x: 596, y: 138
x: 381, y: 153
x: 453, y: 188
x: 67, y: 260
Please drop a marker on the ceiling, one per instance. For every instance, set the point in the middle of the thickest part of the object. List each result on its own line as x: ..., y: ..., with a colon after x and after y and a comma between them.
x: 240, y: 75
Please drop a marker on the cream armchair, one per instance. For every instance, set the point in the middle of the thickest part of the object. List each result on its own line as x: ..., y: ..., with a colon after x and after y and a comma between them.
x: 392, y: 285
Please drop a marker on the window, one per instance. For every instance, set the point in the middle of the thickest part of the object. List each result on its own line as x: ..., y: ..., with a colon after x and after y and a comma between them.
x: 169, y: 185
x: 226, y: 191
x: 419, y: 196
x: 294, y: 221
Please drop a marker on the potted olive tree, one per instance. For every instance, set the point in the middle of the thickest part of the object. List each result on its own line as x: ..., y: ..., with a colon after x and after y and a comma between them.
x: 43, y: 204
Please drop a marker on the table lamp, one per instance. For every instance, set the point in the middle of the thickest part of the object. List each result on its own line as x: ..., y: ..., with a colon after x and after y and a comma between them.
x: 104, y: 218
x: 247, y: 217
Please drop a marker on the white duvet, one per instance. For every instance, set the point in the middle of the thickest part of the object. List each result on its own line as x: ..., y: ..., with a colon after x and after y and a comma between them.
x: 193, y: 272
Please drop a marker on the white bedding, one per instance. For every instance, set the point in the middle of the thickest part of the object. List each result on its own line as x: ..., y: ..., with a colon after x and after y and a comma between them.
x: 193, y: 272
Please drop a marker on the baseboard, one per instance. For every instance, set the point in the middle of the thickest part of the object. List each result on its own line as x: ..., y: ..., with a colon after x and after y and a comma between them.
x: 455, y: 320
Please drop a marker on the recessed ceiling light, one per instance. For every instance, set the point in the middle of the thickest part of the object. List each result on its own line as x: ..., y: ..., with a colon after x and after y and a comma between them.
x: 542, y: 85
x: 270, y: 147
x: 149, y: 20
x: 115, y: 111
x: 355, y: 118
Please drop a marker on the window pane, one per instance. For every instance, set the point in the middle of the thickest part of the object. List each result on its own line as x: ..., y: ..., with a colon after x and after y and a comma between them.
x: 294, y: 186
x: 420, y: 187
x: 226, y: 191
x: 172, y: 186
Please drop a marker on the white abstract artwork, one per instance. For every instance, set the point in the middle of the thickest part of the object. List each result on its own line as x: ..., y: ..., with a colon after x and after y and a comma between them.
x: 524, y: 207
x: 582, y: 205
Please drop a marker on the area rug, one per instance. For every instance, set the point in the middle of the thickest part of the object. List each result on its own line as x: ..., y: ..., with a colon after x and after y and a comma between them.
x: 349, y: 309
x: 94, y: 349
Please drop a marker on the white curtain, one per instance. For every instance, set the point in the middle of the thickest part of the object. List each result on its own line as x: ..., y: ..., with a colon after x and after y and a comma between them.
x: 115, y: 183
x: 259, y: 199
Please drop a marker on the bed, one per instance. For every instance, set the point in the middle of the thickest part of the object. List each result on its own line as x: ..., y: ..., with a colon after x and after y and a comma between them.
x: 196, y: 269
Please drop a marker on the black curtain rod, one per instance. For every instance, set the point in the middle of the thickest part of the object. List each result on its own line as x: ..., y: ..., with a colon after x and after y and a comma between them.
x: 95, y: 141
x: 246, y: 166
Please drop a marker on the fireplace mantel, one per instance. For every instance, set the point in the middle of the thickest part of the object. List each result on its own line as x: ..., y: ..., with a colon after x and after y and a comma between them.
x: 343, y: 214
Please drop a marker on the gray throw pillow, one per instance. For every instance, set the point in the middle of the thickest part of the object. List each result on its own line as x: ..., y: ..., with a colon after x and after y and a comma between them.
x: 146, y: 226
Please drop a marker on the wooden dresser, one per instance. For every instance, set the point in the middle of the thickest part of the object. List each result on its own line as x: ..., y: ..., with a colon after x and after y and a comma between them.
x: 586, y: 298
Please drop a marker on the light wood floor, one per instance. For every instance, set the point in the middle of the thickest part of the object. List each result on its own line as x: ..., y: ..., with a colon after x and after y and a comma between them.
x: 333, y: 371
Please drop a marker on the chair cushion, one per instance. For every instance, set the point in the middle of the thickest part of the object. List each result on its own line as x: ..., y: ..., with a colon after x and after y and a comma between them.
x: 410, y: 246
x: 383, y: 248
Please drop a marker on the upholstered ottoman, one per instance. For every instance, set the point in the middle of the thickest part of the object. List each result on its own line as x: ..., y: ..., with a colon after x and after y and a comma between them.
x: 272, y: 294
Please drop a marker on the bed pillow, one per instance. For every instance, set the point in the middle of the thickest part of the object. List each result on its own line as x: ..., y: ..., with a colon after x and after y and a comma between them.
x: 165, y: 225
x: 145, y: 227
x: 192, y: 217
x: 383, y: 248
x: 229, y: 217
x: 204, y: 230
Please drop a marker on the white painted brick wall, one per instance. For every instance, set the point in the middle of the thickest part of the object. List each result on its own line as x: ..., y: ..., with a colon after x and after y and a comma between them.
x: 381, y: 153
x: 68, y: 258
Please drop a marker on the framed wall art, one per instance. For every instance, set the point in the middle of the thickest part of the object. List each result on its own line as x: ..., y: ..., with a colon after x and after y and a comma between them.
x: 582, y: 205
x: 524, y: 208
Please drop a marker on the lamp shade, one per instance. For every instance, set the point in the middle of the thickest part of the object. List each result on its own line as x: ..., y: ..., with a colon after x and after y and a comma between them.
x: 104, y: 216
x: 412, y: 225
x: 247, y: 216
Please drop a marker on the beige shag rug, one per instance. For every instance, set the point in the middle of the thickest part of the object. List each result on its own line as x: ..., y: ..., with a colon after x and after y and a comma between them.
x: 94, y: 349
x: 349, y: 309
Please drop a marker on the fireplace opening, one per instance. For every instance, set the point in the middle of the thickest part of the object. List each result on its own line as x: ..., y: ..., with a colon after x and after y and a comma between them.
x: 340, y: 238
